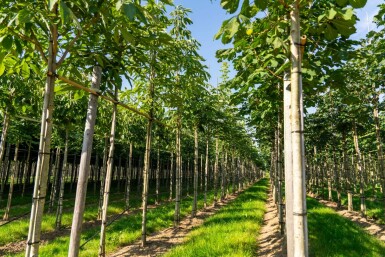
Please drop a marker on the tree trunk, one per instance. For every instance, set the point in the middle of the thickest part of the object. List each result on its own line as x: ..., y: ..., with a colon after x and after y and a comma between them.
x: 288, y: 166
x: 84, y: 169
x: 157, y: 175
x: 40, y: 187
x: 3, y: 138
x: 59, y: 211
x: 107, y: 186
x: 14, y: 170
x: 178, y: 173
x: 206, y: 171
x: 128, y: 177
x: 216, y: 171
x: 102, y: 177
x: 299, y: 190
x: 53, y: 194
x: 171, y: 175
x: 360, y: 170
x: 26, y: 168
x: 380, y: 155
x: 196, y: 157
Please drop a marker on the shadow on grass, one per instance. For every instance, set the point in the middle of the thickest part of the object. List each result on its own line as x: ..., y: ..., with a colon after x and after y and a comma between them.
x: 232, y: 230
x: 333, y: 235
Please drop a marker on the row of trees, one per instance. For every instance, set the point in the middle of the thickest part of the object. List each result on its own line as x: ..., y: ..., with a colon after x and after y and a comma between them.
x: 281, y: 49
x: 145, y: 65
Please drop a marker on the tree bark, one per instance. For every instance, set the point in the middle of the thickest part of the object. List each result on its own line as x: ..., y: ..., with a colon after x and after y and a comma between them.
x: 206, y: 171
x: 128, y: 177
x: 178, y: 173
x: 103, y: 172
x: 59, y: 211
x: 288, y: 165
x: 360, y: 170
x: 196, y: 157
x: 40, y: 187
x: 10, y: 193
x: 84, y: 169
x: 107, y: 186
x: 299, y: 190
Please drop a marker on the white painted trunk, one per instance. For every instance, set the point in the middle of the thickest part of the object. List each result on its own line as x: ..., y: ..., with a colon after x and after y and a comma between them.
x: 288, y: 165
x: 84, y: 168
x: 196, y: 157
x: 299, y: 190
x: 41, y: 176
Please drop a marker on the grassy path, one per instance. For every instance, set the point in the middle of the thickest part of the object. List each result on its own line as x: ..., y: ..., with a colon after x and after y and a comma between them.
x: 231, y: 231
x: 331, y: 235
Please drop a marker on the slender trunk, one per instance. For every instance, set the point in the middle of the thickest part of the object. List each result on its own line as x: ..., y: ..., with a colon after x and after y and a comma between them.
x: 206, y: 170
x: 171, y: 175
x: 128, y: 176
x: 178, y: 173
x: 288, y: 166
x: 299, y: 190
x: 102, y: 178
x: 223, y: 181
x: 157, y: 175
x: 360, y: 170
x: 52, y: 197
x: 26, y: 167
x: 216, y: 170
x: 280, y: 178
x: 40, y: 187
x: 145, y: 182
x: 3, y: 138
x: 59, y: 211
x: 84, y: 169
x: 107, y: 186
x: 196, y: 156
x: 380, y: 155
x: 10, y: 193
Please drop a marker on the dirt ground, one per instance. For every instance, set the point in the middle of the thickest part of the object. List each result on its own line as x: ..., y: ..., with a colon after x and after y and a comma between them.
x: 270, y: 242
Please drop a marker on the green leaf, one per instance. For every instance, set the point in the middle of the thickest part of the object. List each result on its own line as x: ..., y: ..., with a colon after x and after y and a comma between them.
x: 357, y: 3
x: 349, y: 14
x: 230, y: 5
x: 129, y: 10
x: 24, y: 16
x: 277, y: 43
x: 342, y: 3
x: 2, y: 68
x: 330, y: 32
x: 25, y: 71
x: 99, y: 60
x: 331, y: 14
x: 52, y: 3
x: 232, y: 27
x: 7, y: 42
x: 64, y: 13
x: 261, y: 4
x: 345, y: 28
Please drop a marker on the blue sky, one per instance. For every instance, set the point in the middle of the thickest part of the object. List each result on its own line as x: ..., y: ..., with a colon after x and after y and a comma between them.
x: 208, y: 16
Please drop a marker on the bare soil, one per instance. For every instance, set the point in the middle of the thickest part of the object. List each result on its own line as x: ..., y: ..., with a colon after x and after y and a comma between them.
x: 270, y: 241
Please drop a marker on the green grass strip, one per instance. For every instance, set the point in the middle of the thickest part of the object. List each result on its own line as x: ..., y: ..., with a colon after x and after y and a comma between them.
x: 123, y: 231
x: 230, y: 232
x: 331, y: 235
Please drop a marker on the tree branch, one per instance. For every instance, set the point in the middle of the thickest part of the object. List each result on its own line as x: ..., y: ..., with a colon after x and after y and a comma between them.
x: 31, y: 40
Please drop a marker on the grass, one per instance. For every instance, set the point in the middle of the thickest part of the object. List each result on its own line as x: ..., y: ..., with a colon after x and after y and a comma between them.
x: 230, y: 232
x: 374, y: 208
x: 18, y: 230
x: 331, y: 235
x: 123, y: 231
